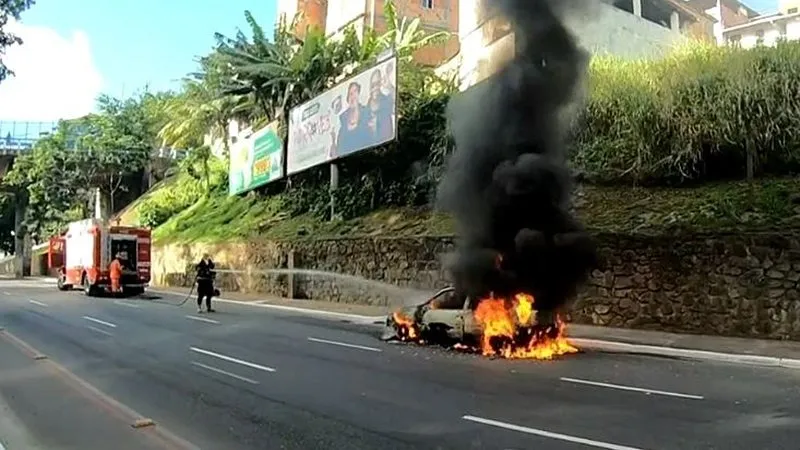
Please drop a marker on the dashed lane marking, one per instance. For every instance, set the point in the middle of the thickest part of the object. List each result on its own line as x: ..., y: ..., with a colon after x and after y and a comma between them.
x: 232, y: 359
x: 344, y: 344
x: 101, y: 322
x: 549, y: 434
x: 224, y: 372
x: 202, y: 319
x: 98, y: 330
x: 632, y: 388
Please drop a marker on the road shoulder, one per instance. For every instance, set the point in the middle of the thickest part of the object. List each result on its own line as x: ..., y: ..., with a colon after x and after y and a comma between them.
x: 13, y: 433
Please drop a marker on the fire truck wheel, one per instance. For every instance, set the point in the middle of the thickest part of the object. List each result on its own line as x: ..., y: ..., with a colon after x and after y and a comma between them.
x: 88, y: 288
x: 62, y: 286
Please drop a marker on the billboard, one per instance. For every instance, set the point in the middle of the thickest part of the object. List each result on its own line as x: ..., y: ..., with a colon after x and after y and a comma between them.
x: 256, y: 161
x: 357, y: 114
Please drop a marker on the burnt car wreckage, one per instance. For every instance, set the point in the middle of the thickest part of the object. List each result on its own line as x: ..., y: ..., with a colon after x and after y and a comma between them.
x: 448, y: 319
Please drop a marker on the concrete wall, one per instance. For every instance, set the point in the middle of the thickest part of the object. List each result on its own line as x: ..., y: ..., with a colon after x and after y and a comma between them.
x: 736, y: 285
x: 604, y: 29
x: 486, y: 42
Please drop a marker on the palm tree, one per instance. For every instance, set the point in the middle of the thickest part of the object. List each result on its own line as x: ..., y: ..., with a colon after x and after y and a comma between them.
x: 268, y: 78
x: 199, y: 110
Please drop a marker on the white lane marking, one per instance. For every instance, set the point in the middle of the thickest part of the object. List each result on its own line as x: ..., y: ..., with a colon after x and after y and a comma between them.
x: 98, y: 330
x: 101, y: 322
x: 201, y: 319
x: 224, y: 372
x: 631, y: 388
x: 44, y: 305
x: 129, y: 305
x: 232, y: 359
x: 6, y: 293
x: 549, y: 434
x: 345, y: 344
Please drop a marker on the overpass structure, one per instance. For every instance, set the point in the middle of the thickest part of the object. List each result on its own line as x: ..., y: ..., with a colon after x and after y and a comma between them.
x: 18, y: 137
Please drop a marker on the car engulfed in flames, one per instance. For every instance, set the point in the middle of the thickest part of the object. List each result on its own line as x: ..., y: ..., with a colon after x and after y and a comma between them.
x: 497, y: 327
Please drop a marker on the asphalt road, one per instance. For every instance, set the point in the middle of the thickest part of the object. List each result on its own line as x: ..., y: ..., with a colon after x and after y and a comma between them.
x: 251, y: 377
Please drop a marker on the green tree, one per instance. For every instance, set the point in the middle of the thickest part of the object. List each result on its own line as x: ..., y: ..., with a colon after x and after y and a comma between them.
x: 10, y: 9
x: 117, y: 143
x: 7, y: 212
x: 106, y: 150
x: 47, y: 178
x: 268, y: 78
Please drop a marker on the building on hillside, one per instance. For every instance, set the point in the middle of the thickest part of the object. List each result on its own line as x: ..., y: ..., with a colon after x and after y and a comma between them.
x: 310, y: 13
x: 626, y: 28
x: 334, y: 15
x: 727, y: 13
x: 764, y: 30
x: 789, y: 6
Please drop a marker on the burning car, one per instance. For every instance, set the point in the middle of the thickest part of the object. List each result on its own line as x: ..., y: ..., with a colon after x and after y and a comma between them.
x: 502, y: 327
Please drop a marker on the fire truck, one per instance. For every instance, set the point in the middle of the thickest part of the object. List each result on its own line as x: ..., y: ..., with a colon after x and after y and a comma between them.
x: 82, y: 255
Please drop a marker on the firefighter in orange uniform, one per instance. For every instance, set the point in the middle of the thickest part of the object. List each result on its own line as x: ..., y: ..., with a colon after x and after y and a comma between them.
x: 115, y: 274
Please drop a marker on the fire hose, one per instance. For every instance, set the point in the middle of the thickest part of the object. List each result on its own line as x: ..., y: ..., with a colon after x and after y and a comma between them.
x: 216, y: 293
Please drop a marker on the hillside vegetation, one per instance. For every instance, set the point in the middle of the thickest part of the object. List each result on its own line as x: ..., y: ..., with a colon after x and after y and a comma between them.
x: 707, y: 138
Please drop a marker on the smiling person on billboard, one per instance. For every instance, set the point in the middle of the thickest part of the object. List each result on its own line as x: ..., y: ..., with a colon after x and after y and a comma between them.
x: 388, y: 85
x: 381, y: 108
x: 353, y: 132
x: 336, y: 110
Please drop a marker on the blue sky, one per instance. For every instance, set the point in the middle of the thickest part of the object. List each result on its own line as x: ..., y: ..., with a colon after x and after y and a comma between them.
x: 763, y: 6
x: 136, y: 42
x: 74, y: 50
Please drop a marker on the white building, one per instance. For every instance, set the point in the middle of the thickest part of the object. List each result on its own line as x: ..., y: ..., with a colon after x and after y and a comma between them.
x: 626, y: 28
x: 727, y: 13
x: 767, y: 29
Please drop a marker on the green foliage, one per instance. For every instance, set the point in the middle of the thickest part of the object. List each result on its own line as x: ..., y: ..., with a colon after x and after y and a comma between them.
x: 106, y: 150
x: 10, y: 9
x: 694, y: 115
x: 7, y: 216
x: 181, y: 191
x: 259, y: 79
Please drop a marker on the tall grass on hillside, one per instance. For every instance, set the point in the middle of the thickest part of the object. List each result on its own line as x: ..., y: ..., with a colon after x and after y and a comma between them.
x: 694, y: 115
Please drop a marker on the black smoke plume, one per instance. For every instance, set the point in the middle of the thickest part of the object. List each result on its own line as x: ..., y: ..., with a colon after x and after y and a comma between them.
x: 508, y: 184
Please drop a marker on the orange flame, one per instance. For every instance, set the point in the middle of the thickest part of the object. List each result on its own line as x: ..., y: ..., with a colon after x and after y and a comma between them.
x: 509, y: 331
x: 407, y: 329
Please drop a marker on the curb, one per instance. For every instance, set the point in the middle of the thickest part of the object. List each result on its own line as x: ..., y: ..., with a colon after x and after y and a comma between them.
x: 734, y: 358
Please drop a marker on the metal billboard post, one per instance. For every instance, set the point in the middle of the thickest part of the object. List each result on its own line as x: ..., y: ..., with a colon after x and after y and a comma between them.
x: 334, y: 184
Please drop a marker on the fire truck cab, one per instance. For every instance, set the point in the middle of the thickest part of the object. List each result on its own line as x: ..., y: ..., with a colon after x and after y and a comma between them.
x: 82, y: 255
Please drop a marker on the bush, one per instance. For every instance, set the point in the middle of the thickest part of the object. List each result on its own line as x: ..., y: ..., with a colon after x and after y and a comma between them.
x: 693, y: 115
x: 173, y: 196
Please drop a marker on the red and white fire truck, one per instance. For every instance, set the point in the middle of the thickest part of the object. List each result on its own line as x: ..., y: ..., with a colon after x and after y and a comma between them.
x: 82, y: 255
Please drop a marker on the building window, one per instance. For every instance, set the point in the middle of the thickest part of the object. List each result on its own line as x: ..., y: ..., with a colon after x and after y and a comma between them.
x: 759, y: 37
x: 427, y: 4
x: 791, y: 11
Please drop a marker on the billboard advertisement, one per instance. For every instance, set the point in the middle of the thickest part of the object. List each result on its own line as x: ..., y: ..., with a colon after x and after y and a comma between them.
x: 256, y: 161
x: 357, y: 114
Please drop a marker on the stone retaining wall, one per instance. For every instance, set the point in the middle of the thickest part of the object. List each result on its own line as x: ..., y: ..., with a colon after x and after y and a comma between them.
x: 736, y: 285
